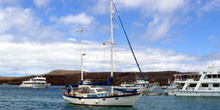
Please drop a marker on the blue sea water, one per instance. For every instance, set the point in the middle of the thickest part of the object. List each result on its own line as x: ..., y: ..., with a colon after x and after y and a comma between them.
x: 14, y: 98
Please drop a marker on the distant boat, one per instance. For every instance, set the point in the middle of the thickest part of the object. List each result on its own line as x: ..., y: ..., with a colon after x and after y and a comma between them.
x: 202, y: 84
x: 5, y: 84
x: 38, y: 82
x: 170, y: 89
x: 140, y: 84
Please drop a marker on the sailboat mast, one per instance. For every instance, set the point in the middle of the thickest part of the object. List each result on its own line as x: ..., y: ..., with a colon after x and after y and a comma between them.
x: 81, y: 54
x: 112, y: 12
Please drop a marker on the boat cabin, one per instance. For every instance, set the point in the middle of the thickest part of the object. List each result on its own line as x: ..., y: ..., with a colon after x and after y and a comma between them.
x: 88, y: 91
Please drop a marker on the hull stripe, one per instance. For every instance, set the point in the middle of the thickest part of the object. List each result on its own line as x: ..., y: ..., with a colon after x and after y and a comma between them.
x: 101, y: 97
x: 105, y: 105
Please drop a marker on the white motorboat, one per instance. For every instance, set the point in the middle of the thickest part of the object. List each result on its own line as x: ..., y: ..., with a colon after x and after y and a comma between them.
x: 89, y: 94
x: 170, y: 89
x: 27, y: 84
x: 38, y: 82
x: 140, y: 84
x: 202, y: 84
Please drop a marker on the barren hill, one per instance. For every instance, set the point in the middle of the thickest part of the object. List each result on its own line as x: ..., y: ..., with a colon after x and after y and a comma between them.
x: 63, y: 72
x: 63, y: 77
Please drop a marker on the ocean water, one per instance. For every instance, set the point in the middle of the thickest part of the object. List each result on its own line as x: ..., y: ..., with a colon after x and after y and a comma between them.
x: 14, y: 98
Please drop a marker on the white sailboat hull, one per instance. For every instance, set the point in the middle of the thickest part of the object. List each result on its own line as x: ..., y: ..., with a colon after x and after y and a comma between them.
x: 125, y: 100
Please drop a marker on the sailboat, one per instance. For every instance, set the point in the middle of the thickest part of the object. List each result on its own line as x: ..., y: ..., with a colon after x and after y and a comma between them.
x: 89, y: 94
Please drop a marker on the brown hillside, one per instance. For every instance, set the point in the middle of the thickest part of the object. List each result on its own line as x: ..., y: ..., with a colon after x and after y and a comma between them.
x: 63, y: 77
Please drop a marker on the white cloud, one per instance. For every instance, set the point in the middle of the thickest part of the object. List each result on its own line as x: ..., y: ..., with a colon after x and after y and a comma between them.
x: 71, y: 39
x: 42, y: 3
x: 101, y: 7
x: 24, y: 46
x: 25, y: 26
x: 6, y: 38
x: 81, y: 19
x: 35, y: 58
x: 157, y: 30
x: 155, y: 5
x: 211, y: 5
x: 4, y: 3
x: 138, y: 24
x: 213, y: 38
x: 163, y: 13
x: 53, y: 19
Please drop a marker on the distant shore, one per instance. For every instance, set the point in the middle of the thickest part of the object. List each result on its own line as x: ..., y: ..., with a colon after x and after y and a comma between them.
x: 64, y: 77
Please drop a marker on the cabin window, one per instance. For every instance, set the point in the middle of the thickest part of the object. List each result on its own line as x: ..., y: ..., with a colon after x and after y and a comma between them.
x: 197, y: 77
x: 209, y: 76
x: 92, y: 91
x: 214, y: 76
x: 184, y: 77
x: 103, y: 99
x: 99, y: 90
x: 85, y: 90
x: 116, y: 98
x: 215, y: 85
x: 192, y: 85
x: 218, y: 76
x: 205, y: 85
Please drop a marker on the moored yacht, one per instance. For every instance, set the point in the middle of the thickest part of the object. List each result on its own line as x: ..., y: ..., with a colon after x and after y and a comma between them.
x: 38, y: 82
x: 97, y: 96
x: 140, y: 84
x: 88, y: 94
x: 170, y: 89
x: 202, y: 84
x: 27, y: 84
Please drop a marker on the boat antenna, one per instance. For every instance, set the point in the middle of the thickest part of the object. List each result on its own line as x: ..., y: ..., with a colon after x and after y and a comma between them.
x: 129, y: 42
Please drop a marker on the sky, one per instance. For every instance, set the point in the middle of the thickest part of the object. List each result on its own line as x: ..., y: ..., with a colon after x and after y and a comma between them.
x: 38, y: 36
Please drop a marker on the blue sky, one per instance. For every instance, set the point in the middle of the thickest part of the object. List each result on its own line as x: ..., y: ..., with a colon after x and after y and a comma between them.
x: 38, y: 36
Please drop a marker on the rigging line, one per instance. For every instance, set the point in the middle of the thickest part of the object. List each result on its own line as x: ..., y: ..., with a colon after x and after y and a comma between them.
x: 123, y: 78
x: 129, y: 42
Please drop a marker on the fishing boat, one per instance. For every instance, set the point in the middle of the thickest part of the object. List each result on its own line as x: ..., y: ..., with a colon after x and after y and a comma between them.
x: 37, y: 82
x: 91, y: 94
x: 202, y: 84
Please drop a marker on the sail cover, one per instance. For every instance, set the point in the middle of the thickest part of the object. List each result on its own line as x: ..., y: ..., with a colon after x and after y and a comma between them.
x: 126, y: 91
x: 106, y: 82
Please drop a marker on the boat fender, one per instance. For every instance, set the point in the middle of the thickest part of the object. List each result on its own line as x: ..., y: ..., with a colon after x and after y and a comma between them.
x: 82, y: 101
x: 65, y: 93
x: 96, y: 101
